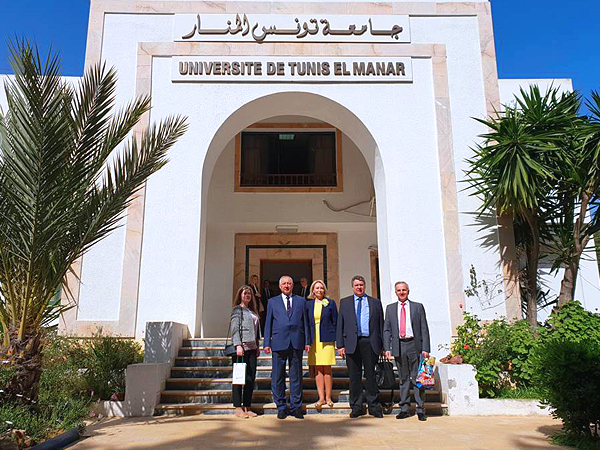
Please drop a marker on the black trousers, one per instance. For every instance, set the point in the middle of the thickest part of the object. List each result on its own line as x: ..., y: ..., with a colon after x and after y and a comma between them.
x: 364, y: 356
x: 242, y: 395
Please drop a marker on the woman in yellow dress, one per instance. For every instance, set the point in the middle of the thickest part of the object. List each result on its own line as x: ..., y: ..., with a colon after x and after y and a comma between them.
x: 322, y: 314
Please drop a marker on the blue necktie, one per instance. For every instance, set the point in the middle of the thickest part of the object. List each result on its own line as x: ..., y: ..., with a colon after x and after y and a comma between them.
x: 359, y: 316
x: 289, y: 306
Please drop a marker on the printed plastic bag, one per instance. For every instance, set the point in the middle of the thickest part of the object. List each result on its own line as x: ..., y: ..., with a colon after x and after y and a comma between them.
x: 425, y: 378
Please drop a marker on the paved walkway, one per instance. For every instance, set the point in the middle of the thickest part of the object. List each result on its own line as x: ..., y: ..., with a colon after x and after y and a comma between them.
x: 321, y: 432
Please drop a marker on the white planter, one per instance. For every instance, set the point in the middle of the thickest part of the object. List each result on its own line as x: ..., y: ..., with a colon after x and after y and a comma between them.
x: 108, y: 408
x: 460, y: 392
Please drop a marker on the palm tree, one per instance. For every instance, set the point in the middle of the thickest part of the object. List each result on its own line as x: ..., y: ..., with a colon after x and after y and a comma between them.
x: 577, y: 198
x: 513, y: 170
x: 68, y: 169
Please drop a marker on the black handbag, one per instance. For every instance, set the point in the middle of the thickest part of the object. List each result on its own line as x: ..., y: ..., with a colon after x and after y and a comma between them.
x: 384, y: 374
x: 230, y: 349
x: 386, y: 379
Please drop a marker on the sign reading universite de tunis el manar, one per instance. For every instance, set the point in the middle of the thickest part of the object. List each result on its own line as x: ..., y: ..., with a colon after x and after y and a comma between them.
x: 290, y: 69
x: 291, y: 28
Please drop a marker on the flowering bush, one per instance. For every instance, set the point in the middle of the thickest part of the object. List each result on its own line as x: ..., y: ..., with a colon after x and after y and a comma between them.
x: 503, y: 352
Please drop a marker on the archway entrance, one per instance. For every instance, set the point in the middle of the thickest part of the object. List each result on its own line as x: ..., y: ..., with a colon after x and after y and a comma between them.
x: 296, y: 227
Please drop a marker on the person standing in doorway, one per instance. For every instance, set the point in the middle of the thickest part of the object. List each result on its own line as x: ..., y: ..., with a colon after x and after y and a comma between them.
x: 359, y: 339
x: 287, y: 335
x: 256, y: 291
x: 303, y: 289
x: 322, y: 316
x: 406, y: 338
x: 267, y: 293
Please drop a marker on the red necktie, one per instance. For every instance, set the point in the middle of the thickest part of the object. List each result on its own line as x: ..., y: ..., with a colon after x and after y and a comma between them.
x: 403, y: 321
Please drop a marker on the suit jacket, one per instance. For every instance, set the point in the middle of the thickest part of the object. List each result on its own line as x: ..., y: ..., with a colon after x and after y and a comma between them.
x: 265, y: 297
x: 418, y: 320
x: 347, y: 329
x: 298, y: 290
x: 328, y: 322
x: 282, y: 331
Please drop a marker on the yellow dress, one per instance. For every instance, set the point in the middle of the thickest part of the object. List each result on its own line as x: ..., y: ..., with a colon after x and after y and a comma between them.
x: 321, y: 353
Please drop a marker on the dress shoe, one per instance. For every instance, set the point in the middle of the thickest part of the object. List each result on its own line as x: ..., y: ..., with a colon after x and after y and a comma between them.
x: 281, y: 414
x: 402, y: 415
x: 376, y: 412
x: 422, y: 417
x: 297, y: 413
x: 356, y: 413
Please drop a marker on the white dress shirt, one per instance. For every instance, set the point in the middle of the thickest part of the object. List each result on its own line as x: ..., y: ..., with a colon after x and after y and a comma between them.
x: 285, y: 300
x: 409, y: 330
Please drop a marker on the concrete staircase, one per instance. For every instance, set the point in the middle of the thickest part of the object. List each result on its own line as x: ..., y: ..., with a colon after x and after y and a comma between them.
x: 200, y: 383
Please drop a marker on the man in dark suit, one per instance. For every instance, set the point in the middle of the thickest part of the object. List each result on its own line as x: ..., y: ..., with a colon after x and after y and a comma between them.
x: 267, y: 293
x: 359, y: 338
x: 304, y: 289
x: 287, y: 335
x: 406, y: 337
x: 256, y: 290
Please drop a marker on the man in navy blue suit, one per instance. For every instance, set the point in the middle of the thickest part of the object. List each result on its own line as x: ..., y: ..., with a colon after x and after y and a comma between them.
x: 287, y: 335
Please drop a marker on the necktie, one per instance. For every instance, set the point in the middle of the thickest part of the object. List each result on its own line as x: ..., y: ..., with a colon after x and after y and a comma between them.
x: 403, y: 321
x: 303, y: 291
x: 359, y: 316
x: 289, y: 306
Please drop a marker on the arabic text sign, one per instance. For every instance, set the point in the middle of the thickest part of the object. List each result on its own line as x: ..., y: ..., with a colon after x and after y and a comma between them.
x: 290, y: 69
x: 291, y: 28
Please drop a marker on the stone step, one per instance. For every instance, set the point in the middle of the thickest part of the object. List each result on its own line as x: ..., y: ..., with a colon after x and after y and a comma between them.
x: 225, y: 371
x: 219, y: 361
x: 225, y: 383
x: 270, y: 408
x: 205, y: 342
x: 265, y: 396
x: 261, y: 383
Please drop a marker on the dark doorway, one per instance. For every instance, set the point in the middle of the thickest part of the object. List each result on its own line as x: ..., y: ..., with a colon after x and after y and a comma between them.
x: 273, y: 269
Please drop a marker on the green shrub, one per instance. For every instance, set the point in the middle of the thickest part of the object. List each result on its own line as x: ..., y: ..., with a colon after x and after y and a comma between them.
x: 502, y: 352
x: 573, y: 323
x: 522, y: 340
x: 568, y: 378
x: 527, y: 392
x: 75, y: 372
x: 63, y: 401
x: 499, y: 351
x: 105, y: 360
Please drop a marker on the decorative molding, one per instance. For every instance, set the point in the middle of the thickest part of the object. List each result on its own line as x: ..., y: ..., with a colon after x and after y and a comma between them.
x: 321, y: 248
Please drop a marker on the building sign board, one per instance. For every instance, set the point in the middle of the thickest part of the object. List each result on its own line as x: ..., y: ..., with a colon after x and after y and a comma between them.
x: 291, y: 69
x: 260, y: 28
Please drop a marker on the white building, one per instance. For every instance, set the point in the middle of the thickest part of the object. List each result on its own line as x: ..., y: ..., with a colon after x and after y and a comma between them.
x: 383, y: 95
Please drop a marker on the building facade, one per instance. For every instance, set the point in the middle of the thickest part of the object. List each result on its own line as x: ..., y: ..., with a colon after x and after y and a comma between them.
x: 326, y: 139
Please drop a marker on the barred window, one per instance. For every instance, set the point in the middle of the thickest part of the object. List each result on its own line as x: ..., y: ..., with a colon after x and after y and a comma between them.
x: 293, y: 159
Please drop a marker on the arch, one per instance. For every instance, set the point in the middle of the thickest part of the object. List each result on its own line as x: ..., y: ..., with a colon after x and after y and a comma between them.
x: 295, y: 103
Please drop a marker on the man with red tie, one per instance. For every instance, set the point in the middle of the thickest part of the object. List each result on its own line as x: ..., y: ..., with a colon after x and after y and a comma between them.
x: 406, y: 338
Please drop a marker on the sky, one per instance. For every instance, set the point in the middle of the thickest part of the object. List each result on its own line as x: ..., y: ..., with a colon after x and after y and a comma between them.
x: 534, y: 38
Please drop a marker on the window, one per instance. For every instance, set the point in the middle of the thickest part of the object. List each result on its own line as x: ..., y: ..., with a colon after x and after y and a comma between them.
x: 289, y: 159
